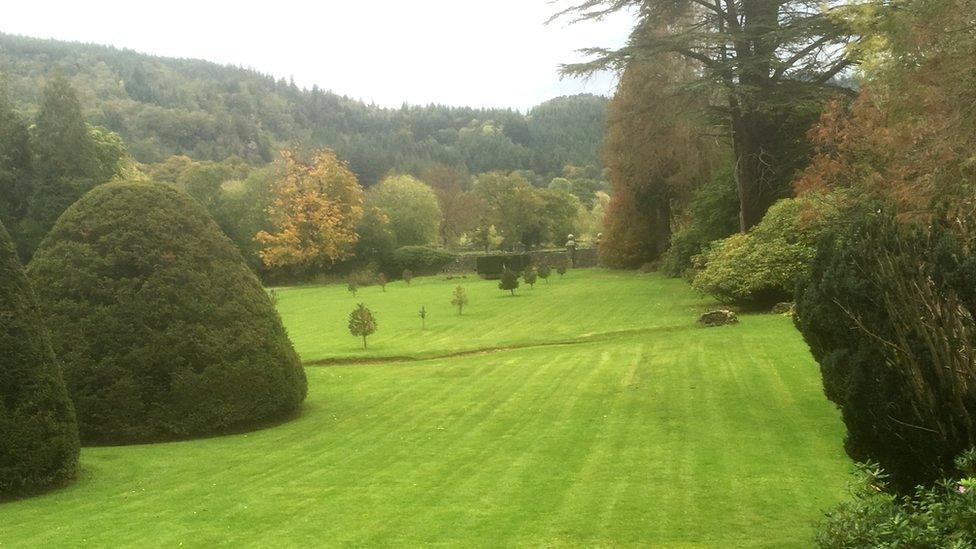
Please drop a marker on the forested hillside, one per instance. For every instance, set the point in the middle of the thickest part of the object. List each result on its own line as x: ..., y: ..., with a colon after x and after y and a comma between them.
x: 163, y: 107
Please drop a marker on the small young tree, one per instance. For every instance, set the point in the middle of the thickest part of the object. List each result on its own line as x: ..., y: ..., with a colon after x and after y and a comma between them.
x: 561, y: 270
x: 362, y: 323
x: 381, y: 280
x: 407, y: 276
x: 423, y: 317
x: 530, y: 275
x: 460, y: 299
x: 544, y: 272
x: 352, y: 286
x: 509, y: 281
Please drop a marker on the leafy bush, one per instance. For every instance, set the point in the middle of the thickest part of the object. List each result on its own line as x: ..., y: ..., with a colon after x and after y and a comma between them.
x: 421, y: 260
x: 713, y: 214
x: 763, y: 267
x: 407, y: 276
x: 162, y: 329
x: 530, y: 275
x: 888, y: 313
x: 490, y: 267
x: 941, y: 516
x: 38, y: 432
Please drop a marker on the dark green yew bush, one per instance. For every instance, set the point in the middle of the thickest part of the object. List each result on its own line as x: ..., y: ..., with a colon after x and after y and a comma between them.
x: 888, y: 313
x: 509, y: 281
x: 38, y: 433
x: 162, y: 329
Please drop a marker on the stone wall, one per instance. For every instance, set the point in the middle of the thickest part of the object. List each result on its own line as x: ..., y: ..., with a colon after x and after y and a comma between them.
x: 587, y: 257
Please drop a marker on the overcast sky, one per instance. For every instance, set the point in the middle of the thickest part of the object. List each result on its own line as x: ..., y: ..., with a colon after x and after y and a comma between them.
x: 496, y: 53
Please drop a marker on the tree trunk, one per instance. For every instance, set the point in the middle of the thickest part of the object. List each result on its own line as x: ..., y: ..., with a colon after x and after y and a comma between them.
x: 364, y: 343
x: 752, y: 164
x: 659, y: 220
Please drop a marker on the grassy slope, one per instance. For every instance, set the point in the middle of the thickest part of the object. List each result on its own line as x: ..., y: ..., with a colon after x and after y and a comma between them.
x: 681, y: 437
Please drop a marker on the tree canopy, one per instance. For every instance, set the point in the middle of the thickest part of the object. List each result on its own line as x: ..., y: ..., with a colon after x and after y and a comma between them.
x: 316, y: 207
x: 769, y: 63
x: 163, y: 107
x: 412, y: 208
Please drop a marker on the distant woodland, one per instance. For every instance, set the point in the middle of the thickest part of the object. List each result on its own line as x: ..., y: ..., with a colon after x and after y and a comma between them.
x: 163, y: 107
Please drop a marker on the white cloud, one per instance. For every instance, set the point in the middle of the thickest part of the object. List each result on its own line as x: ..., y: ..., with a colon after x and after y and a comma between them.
x: 458, y: 52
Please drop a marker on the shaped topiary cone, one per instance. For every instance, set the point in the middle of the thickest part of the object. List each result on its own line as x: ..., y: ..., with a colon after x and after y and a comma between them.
x: 38, y: 433
x: 162, y: 329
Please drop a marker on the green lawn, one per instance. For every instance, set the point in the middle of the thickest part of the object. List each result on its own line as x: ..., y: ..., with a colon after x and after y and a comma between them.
x: 647, y: 432
x: 583, y: 304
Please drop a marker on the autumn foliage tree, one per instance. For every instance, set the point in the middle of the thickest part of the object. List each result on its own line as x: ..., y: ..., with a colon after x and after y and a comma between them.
x: 908, y: 138
x: 314, y: 213
x: 655, y: 152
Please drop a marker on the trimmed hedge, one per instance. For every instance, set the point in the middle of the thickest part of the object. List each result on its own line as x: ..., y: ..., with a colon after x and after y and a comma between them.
x: 491, y: 266
x: 38, y: 433
x: 422, y: 260
x: 163, y: 330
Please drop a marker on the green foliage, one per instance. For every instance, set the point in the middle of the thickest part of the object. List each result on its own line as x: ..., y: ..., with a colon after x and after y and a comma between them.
x: 544, y: 271
x: 38, y: 433
x: 70, y: 158
x: 352, y: 286
x: 16, y: 165
x: 420, y: 260
x: 492, y: 266
x: 940, y: 516
x: 407, y: 276
x: 530, y: 276
x: 509, y: 281
x: 162, y: 329
x: 241, y: 211
x: 376, y: 243
x: 207, y: 111
x: 764, y: 266
x: 561, y: 269
x: 460, y: 299
x: 522, y: 213
x: 423, y: 317
x: 712, y: 214
x: 412, y: 207
x: 362, y: 323
x: 887, y: 311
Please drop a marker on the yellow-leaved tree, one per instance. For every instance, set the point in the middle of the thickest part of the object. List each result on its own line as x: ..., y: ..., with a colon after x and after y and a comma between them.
x: 314, y: 212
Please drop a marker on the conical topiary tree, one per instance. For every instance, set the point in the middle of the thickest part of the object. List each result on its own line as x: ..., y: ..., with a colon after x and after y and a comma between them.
x: 162, y: 329
x: 38, y: 433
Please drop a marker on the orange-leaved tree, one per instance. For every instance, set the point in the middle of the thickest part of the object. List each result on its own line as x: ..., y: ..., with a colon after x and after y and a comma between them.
x: 316, y: 206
